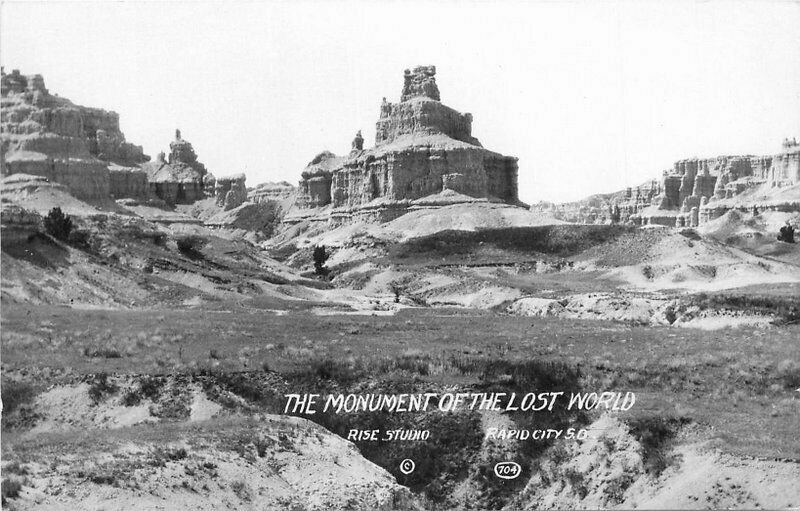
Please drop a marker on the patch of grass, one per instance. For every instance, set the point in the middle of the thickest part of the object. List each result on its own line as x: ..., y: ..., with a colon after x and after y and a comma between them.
x: 149, y: 387
x: 10, y: 489
x: 15, y: 468
x: 615, y: 490
x: 248, y: 386
x: 553, y: 241
x: 655, y: 435
x: 161, y: 455
x: 92, y: 352
x: 577, y: 482
x: 100, y: 388
x: 788, y: 373
x: 283, y: 253
x: 785, y: 309
x: 16, y: 394
x: 190, y: 246
x: 241, y: 490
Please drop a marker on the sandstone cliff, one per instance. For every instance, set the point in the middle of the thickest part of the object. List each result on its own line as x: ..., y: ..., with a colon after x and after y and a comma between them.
x: 423, y: 148
x: 73, y: 145
x: 697, y: 190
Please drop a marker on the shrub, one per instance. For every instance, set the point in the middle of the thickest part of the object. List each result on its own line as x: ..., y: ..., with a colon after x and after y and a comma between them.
x: 80, y: 239
x: 57, y: 224
x: 190, y: 246
x: 10, y: 489
x: 789, y: 373
x: 16, y: 393
x: 397, y: 289
x: 101, y: 387
x: 269, y: 213
x: 655, y: 435
x: 15, y: 468
x: 241, y: 490
x: 101, y: 352
x: 150, y: 387
x: 320, y: 256
x: 670, y: 315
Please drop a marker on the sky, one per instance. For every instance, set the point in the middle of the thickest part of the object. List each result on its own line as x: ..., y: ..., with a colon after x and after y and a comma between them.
x: 590, y: 96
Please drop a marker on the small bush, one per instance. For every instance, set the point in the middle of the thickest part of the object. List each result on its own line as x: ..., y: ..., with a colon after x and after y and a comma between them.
x: 131, y: 398
x: 789, y: 373
x: 80, y: 239
x: 241, y: 490
x: 57, y: 224
x: 655, y: 435
x: 108, y: 479
x: 15, y: 394
x: 670, y: 315
x: 10, y: 489
x: 101, y: 388
x: 320, y: 256
x: 161, y: 455
x: 101, y: 352
x: 150, y: 387
x: 190, y: 246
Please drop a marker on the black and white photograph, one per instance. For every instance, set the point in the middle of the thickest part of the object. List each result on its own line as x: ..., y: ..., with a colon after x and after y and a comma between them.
x: 400, y: 255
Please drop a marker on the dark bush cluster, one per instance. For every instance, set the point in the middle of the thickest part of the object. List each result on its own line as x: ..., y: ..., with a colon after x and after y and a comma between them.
x: 320, y: 256
x: 57, y: 224
x: 190, y: 246
x: 100, y: 388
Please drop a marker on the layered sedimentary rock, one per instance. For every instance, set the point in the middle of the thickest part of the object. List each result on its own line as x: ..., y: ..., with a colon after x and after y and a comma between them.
x: 179, y: 178
x: 422, y: 148
x: 276, y: 192
x: 127, y: 182
x: 50, y: 136
x: 696, y: 190
x: 230, y: 191
x: 716, y: 183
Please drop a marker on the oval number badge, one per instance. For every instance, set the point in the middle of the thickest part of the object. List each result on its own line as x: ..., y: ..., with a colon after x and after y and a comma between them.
x: 507, y: 470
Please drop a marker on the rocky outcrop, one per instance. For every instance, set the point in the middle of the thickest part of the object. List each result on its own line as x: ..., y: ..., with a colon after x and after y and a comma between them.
x: 128, y: 182
x: 179, y: 178
x: 315, y: 186
x: 697, y: 190
x: 276, y: 192
x: 230, y: 191
x: 17, y: 224
x: 422, y: 148
x: 50, y: 136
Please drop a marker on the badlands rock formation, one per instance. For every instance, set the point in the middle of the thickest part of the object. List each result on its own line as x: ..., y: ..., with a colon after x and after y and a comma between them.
x: 271, y: 192
x: 177, y: 179
x: 76, y: 146
x: 230, y: 191
x: 84, y: 149
x: 697, y: 190
x: 422, y: 148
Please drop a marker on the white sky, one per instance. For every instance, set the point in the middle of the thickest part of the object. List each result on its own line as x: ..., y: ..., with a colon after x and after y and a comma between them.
x: 591, y: 96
